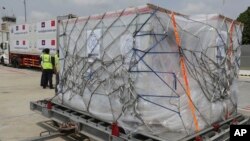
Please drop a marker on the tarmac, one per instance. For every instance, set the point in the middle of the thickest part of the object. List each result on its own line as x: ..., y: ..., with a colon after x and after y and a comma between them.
x: 17, y: 88
x: 20, y: 86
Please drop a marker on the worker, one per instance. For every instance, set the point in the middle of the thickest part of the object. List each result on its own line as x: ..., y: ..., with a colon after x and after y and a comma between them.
x: 42, y: 76
x: 47, y: 69
x: 57, y: 69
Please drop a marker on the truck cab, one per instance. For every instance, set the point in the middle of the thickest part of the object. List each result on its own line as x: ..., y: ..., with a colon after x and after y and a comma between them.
x: 4, y: 53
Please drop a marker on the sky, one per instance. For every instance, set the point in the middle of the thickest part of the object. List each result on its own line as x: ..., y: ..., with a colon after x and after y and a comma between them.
x: 38, y: 10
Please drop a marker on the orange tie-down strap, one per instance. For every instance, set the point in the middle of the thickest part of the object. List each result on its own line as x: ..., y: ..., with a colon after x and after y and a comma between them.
x: 184, y: 74
x: 230, y: 51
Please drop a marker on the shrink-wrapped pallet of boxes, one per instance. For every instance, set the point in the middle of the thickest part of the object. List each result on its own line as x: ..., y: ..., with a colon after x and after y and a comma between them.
x: 150, y: 69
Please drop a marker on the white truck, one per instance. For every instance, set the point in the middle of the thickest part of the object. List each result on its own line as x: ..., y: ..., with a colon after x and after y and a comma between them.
x: 3, y: 45
x: 26, y: 42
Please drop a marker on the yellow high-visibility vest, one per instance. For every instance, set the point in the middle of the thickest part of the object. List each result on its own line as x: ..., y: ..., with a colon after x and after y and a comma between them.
x: 46, y: 61
x: 57, y: 63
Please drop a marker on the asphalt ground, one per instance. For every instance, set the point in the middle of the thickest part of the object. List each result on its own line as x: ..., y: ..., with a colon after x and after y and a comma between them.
x: 17, y: 88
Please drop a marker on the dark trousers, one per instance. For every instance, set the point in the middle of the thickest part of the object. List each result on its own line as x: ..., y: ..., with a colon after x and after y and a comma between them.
x: 42, y: 79
x: 57, y: 82
x: 48, y: 73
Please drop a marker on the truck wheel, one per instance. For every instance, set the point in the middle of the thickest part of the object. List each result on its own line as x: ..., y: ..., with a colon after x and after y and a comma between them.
x: 2, y: 61
x: 16, y: 63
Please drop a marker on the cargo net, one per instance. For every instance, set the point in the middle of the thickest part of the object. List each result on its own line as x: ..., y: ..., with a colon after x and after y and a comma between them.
x: 149, y: 70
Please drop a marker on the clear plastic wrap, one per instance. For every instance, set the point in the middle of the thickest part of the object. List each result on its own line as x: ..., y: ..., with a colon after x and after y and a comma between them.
x: 125, y: 66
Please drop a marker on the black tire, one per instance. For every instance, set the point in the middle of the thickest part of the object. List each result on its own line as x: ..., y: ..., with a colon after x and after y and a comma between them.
x: 12, y: 62
x: 2, y: 61
x: 16, y: 63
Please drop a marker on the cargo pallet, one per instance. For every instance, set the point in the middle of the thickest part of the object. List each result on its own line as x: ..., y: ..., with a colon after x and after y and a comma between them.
x: 99, y: 130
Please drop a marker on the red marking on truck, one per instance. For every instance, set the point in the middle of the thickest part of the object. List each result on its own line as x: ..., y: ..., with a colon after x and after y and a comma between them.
x: 53, y: 23
x: 53, y: 42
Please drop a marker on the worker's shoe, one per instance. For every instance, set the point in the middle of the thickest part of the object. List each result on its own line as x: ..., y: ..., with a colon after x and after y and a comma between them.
x: 51, y: 87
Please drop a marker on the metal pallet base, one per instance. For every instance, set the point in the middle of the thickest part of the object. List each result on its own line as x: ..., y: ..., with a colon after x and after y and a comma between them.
x: 101, y: 131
